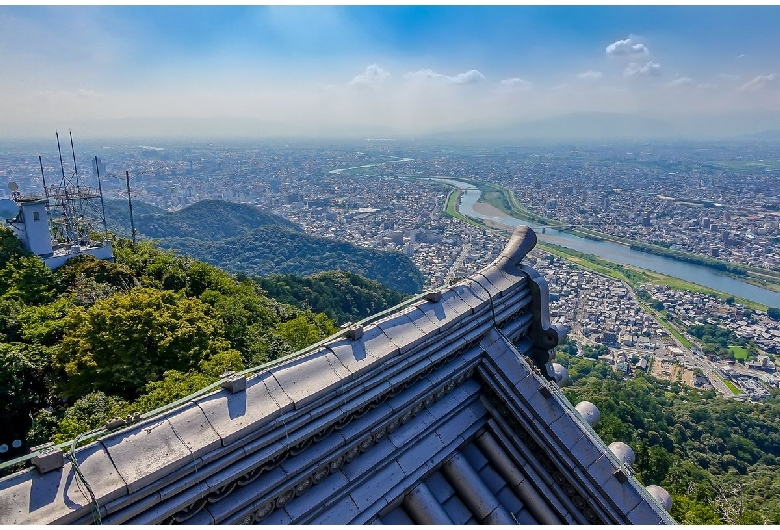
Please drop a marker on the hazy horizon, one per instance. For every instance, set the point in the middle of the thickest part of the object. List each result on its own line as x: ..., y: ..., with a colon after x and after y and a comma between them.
x: 554, y: 72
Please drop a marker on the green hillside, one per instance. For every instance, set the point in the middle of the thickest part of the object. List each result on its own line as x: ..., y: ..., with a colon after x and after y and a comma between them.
x: 343, y: 296
x: 242, y: 239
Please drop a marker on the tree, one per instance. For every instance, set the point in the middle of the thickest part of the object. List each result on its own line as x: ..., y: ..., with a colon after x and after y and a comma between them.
x: 686, y: 510
x: 121, y: 343
x: 176, y: 385
x: 87, y: 413
x: 26, y: 378
x: 100, y: 271
x: 10, y: 247
x: 302, y: 331
x: 27, y: 279
x: 773, y: 313
x: 44, y: 324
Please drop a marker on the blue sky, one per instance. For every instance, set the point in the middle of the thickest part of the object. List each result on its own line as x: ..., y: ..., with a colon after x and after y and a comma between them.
x: 400, y: 69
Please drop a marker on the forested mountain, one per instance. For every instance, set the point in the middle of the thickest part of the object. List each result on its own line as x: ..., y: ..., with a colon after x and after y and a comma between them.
x: 343, y: 296
x: 95, y: 340
x: 241, y: 239
x: 718, y: 458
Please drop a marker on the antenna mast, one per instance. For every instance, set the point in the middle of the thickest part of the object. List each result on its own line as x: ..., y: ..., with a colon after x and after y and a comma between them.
x: 40, y: 161
x: 130, y: 202
x: 62, y: 201
x: 73, y: 150
x: 74, y: 212
x: 100, y: 190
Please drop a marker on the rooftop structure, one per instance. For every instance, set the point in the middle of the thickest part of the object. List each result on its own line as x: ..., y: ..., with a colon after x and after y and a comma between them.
x: 60, y: 225
x: 444, y: 411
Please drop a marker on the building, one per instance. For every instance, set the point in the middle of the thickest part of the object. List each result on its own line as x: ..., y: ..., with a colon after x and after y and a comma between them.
x: 59, y: 226
x: 445, y: 411
x: 28, y: 218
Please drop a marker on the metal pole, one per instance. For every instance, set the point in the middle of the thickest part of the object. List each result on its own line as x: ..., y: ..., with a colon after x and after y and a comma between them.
x: 100, y: 190
x: 69, y: 236
x: 59, y: 150
x: 40, y: 161
x: 130, y: 202
x: 73, y: 150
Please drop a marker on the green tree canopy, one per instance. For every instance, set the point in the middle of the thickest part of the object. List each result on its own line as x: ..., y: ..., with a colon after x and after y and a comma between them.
x: 27, y: 279
x: 121, y: 343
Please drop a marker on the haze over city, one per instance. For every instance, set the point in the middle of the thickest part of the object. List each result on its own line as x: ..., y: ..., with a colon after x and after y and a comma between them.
x: 551, y: 72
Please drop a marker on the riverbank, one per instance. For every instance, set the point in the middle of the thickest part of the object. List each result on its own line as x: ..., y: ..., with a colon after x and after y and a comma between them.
x: 503, y: 201
x: 635, y: 276
x: 629, y: 274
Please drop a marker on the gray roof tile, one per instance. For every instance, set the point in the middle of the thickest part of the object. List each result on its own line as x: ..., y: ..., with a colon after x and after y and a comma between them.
x: 309, y: 377
x: 457, y: 510
x: 397, y: 517
x: 317, y: 496
x: 29, y: 497
x: 344, y: 510
x: 235, y: 415
x: 146, y: 452
x: 194, y: 429
x: 363, y: 354
x: 439, y: 486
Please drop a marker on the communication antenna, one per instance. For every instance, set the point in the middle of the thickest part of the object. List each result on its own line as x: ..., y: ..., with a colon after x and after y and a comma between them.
x: 8, y: 209
x: 14, y: 187
x: 73, y: 150
x: 100, y: 190
x: 40, y: 161
x: 66, y: 218
x: 74, y: 212
x: 59, y: 150
x: 130, y: 203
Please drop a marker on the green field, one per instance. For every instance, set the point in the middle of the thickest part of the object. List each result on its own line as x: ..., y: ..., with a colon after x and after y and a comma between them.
x: 740, y: 353
x: 731, y: 386
x: 748, y: 165
x: 452, y: 209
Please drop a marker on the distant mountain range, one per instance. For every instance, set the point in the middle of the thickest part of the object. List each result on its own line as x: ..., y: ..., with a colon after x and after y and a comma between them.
x: 572, y: 126
x: 242, y: 239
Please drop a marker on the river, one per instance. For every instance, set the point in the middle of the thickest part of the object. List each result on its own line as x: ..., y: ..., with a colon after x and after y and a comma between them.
x: 621, y: 254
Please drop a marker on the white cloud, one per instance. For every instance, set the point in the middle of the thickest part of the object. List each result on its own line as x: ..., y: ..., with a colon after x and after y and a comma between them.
x: 467, y: 78
x: 590, y: 75
x: 87, y: 94
x: 627, y: 47
x: 762, y: 81
x: 515, y: 83
x: 372, y: 76
x: 707, y: 87
x: 635, y: 70
x: 472, y: 76
x: 680, y: 81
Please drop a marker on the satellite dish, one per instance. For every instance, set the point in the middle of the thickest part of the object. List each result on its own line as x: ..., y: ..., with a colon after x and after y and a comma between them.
x: 13, y: 186
x: 8, y: 209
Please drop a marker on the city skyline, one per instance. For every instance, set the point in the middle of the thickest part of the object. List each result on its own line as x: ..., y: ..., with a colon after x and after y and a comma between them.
x: 657, y: 71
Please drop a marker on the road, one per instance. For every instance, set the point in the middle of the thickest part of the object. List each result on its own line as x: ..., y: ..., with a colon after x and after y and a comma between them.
x: 457, y: 263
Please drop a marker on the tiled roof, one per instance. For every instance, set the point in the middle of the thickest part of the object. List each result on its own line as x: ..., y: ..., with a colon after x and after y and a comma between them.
x: 442, y: 412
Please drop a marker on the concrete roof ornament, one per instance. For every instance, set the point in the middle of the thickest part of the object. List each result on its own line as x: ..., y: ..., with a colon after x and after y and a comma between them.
x: 444, y: 411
